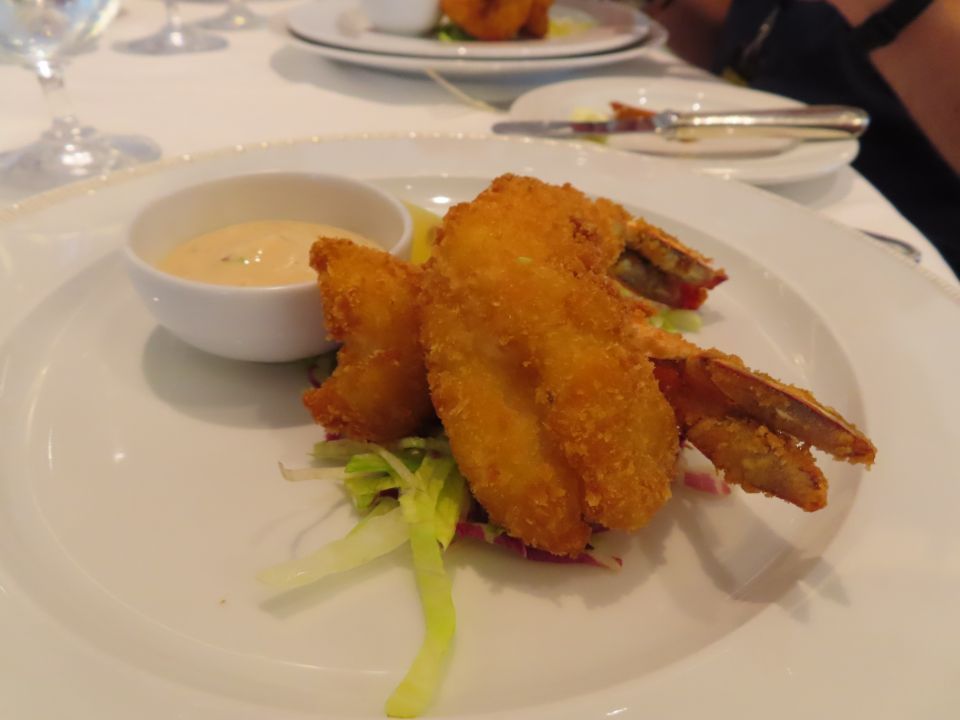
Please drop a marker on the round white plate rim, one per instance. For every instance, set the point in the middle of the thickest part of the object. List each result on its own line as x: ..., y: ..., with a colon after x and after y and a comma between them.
x: 315, y: 22
x: 580, y: 706
x: 657, y: 37
x: 802, y: 162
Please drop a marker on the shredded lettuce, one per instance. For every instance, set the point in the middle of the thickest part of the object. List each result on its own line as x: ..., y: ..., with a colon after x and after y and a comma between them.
x: 432, y: 498
x: 418, y: 501
x: 406, y: 491
x: 677, y: 321
x: 449, y: 32
x: 452, y: 504
x: 367, y: 463
x: 378, y: 533
x: 440, y: 445
x: 365, y: 489
x: 340, y: 449
x: 416, y: 690
x: 311, y: 473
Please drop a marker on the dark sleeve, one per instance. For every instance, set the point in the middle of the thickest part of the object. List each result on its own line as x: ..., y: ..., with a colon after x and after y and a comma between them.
x: 809, y: 56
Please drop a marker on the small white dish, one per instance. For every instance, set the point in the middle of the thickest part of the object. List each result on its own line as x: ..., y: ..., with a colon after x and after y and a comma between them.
x: 276, y: 323
x: 406, y: 17
x: 759, y: 161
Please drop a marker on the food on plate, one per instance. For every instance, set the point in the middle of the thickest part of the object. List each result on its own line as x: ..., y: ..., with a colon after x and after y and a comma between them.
x: 564, y: 401
x: 525, y: 334
x: 499, y: 19
x: 527, y: 352
x: 659, y: 267
x: 257, y: 253
x: 622, y: 111
x: 564, y: 405
x: 409, y: 491
x: 538, y: 21
x: 605, y: 229
x: 378, y: 390
x: 755, y: 429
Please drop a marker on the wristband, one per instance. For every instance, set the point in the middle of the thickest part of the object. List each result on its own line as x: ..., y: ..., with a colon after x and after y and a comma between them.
x: 883, y: 27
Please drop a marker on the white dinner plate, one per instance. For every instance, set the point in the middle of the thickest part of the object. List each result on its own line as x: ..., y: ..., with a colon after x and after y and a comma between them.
x: 140, y: 492
x: 473, y: 67
x: 761, y: 161
x: 606, y: 26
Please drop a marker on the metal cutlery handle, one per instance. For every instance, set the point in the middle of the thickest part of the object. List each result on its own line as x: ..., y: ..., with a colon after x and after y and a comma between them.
x: 822, y: 122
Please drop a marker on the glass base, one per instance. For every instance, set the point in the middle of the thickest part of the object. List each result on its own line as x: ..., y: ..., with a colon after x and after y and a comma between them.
x: 62, y: 156
x: 237, y: 17
x: 172, y: 40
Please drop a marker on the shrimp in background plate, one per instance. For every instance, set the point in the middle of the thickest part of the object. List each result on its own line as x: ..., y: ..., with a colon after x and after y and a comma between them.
x: 488, y: 19
x: 538, y: 21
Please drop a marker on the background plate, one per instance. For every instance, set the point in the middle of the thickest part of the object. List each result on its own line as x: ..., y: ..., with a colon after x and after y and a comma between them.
x: 760, y: 161
x: 656, y: 37
x: 341, y: 23
x: 139, y: 493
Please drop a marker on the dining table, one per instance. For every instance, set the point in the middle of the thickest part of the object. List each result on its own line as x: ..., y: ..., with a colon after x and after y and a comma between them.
x: 264, y: 88
x: 140, y: 498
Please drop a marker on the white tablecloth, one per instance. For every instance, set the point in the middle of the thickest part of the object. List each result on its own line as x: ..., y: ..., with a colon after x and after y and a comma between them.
x: 261, y: 88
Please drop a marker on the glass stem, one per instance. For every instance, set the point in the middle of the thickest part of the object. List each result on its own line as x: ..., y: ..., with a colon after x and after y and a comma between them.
x: 173, y: 15
x: 65, y: 123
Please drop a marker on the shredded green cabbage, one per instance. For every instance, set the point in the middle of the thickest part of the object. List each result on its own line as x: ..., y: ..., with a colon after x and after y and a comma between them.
x: 448, y: 32
x: 452, y: 504
x: 677, y: 321
x: 311, y: 473
x: 378, y: 533
x: 432, y: 498
x: 416, y: 690
x: 364, y: 490
x: 367, y: 463
x: 440, y: 445
x: 340, y: 449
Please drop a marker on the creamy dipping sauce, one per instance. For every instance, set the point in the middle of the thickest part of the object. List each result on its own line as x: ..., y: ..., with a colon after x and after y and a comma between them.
x: 253, y: 254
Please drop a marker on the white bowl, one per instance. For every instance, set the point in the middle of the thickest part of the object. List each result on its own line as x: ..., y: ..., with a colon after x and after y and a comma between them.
x: 267, y: 324
x: 402, y: 17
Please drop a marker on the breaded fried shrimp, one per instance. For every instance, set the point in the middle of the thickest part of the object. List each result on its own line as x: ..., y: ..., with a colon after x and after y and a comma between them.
x: 378, y: 391
x: 525, y: 263
x: 486, y: 400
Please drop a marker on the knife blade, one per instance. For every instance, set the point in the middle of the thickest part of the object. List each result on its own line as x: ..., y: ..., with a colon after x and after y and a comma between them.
x: 814, y: 122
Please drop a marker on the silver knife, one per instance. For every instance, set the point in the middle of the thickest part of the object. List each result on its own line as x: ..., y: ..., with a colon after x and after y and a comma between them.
x: 814, y: 122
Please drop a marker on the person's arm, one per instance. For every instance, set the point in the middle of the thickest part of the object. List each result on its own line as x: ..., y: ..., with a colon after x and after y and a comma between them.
x: 922, y: 65
x: 694, y: 26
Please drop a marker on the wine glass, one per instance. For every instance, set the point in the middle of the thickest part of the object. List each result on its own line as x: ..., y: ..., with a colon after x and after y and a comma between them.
x: 237, y: 16
x: 38, y: 34
x: 174, y: 37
